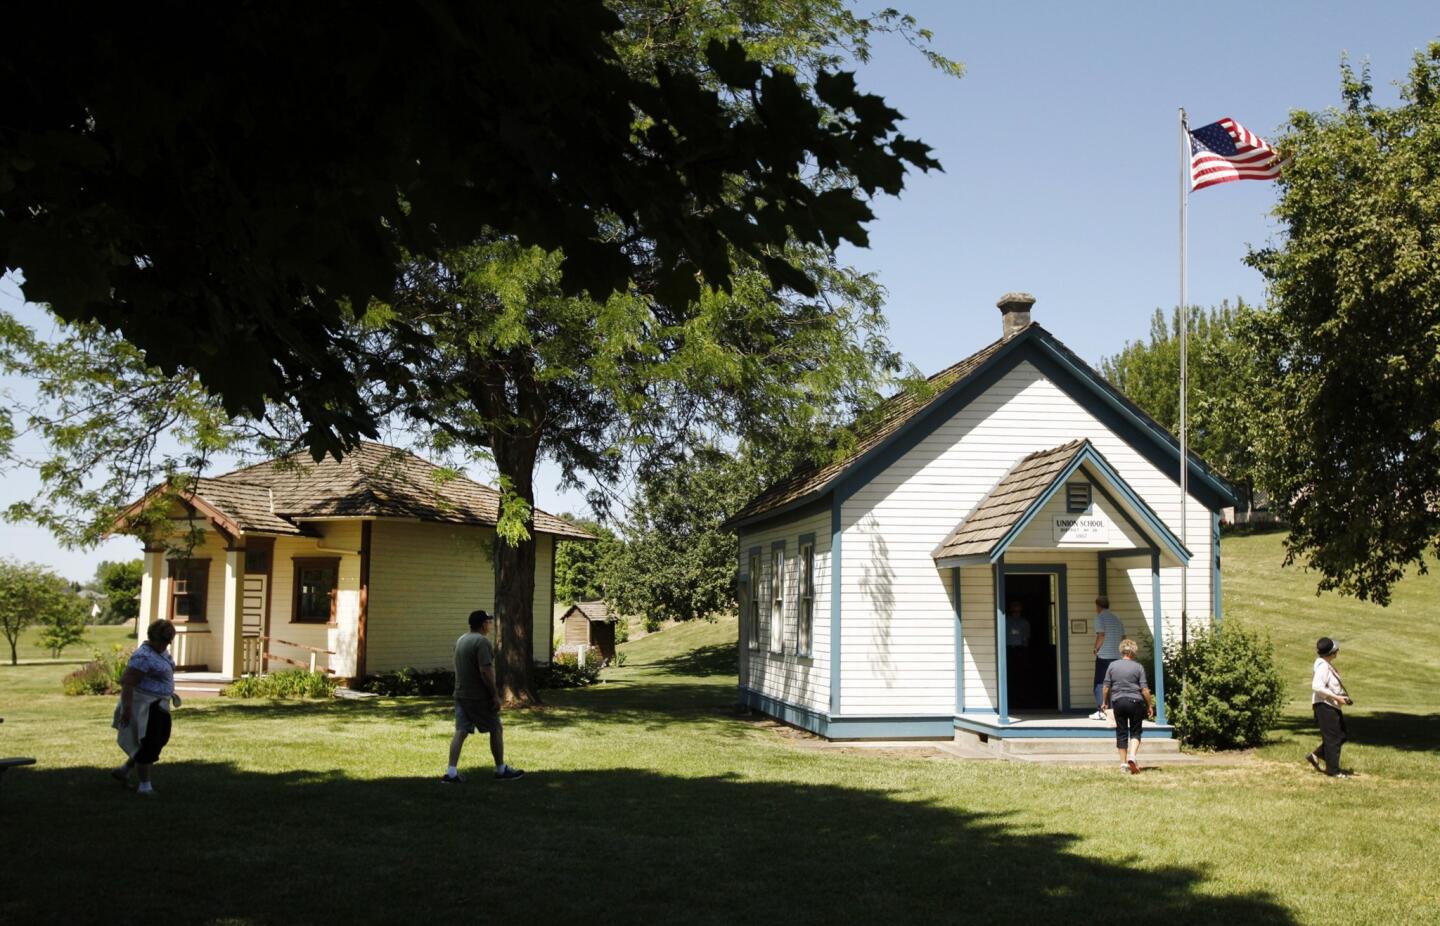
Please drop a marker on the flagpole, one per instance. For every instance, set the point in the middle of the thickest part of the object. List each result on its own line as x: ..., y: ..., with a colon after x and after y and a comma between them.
x: 1184, y: 372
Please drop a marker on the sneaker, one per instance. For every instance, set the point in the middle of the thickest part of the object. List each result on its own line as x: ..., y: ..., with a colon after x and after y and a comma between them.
x: 1314, y: 761
x: 1099, y: 715
x: 150, y: 793
x: 1133, y: 766
x: 122, y: 775
x: 452, y: 779
x: 1339, y: 775
x: 510, y: 774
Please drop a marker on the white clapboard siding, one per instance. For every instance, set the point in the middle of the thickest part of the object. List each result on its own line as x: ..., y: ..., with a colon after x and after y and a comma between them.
x: 898, y: 638
x: 788, y: 676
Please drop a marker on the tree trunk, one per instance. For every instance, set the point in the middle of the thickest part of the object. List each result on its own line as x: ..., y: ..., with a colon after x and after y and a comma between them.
x: 515, y: 580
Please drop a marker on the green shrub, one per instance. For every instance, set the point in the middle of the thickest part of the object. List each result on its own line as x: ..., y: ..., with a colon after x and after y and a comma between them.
x: 1224, y: 692
x: 565, y: 670
x: 411, y: 681
x: 295, y: 684
x: 100, y: 676
x: 622, y: 630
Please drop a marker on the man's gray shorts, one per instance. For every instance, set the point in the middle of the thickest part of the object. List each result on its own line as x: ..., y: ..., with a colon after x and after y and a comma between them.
x: 475, y: 715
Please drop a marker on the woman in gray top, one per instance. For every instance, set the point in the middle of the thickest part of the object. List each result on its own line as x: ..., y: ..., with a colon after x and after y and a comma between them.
x: 1127, y: 690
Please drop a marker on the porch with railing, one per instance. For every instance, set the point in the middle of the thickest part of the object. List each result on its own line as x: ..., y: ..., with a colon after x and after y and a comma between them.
x: 257, y: 654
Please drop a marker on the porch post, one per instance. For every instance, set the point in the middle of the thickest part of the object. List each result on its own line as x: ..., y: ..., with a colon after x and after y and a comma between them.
x: 1002, y: 693
x: 959, y: 644
x: 1159, y: 637
x: 150, y: 583
x: 232, y: 653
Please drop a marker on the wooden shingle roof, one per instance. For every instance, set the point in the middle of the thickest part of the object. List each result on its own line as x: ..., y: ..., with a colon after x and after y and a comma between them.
x: 594, y: 611
x: 373, y: 481
x: 1012, y: 496
x: 249, y: 507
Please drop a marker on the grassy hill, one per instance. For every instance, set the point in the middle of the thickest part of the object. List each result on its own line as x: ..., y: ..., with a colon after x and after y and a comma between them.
x: 650, y: 794
x: 1389, y: 657
x: 97, y: 637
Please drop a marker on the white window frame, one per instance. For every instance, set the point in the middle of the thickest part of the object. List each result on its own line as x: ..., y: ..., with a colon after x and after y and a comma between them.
x: 752, y: 630
x: 777, y: 597
x: 805, y: 597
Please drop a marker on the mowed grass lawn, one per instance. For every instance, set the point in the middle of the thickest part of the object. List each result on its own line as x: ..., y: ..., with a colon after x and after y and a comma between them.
x: 651, y: 798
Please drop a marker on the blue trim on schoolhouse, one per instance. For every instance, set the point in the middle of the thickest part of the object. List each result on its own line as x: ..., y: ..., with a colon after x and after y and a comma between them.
x: 1088, y: 454
x: 959, y: 643
x: 848, y: 728
x: 835, y: 563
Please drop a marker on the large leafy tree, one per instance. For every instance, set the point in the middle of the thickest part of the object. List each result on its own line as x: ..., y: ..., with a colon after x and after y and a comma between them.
x: 678, y: 563
x: 218, y: 183
x: 119, y: 582
x: 582, y: 568
x: 1220, y: 420
x: 500, y: 354
x: 1348, y: 383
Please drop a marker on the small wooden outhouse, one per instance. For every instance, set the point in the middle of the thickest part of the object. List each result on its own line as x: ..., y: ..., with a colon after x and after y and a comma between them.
x: 589, y: 623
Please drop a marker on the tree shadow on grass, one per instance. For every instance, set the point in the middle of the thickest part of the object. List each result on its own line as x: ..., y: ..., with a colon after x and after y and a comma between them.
x: 647, y: 704
x: 221, y: 844
x: 1407, y: 732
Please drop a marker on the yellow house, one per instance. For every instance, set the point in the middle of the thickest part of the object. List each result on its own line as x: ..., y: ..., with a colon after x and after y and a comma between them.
x: 354, y: 567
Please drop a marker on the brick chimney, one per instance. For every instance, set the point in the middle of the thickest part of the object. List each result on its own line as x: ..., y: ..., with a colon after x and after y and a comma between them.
x: 1015, y: 312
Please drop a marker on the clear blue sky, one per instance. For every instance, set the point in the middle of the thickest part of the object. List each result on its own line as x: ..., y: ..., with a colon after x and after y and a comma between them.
x: 1060, y: 150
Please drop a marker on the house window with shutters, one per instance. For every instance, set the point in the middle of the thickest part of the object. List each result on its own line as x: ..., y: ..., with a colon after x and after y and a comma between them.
x: 189, y: 579
x: 315, y: 583
x: 752, y: 626
x: 777, y: 598
x: 805, y: 598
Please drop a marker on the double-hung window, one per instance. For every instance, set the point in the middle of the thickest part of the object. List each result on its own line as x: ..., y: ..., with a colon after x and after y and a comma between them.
x: 316, y: 579
x: 777, y: 598
x: 805, y: 600
x: 752, y: 626
x: 188, y: 581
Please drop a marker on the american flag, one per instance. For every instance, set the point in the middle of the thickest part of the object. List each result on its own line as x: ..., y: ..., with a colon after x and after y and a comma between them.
x: 1226, y: 150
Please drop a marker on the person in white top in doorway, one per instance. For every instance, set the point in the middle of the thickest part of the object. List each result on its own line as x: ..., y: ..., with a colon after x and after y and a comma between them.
x: 1327, y: 696
x: 1108, y: 634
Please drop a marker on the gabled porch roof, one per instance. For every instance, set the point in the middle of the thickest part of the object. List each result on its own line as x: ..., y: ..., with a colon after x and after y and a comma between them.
x: 984, y: 535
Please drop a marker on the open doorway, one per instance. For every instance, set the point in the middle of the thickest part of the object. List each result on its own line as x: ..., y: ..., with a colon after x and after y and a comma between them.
x: 1032, y: 676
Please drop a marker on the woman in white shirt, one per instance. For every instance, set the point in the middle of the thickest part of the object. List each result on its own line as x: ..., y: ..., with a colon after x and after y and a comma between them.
x: 1327, y: 696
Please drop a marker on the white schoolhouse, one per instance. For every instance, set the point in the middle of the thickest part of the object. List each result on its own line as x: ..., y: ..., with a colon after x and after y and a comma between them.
x: 875, y: 590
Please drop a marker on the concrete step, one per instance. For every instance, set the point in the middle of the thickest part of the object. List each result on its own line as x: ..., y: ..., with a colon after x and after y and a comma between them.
x: 200, y: 687
x: 1087, y: 746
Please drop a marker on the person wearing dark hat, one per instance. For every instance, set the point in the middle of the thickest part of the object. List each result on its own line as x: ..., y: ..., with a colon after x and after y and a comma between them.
x: 1327, y: 696
x: 477, y: 699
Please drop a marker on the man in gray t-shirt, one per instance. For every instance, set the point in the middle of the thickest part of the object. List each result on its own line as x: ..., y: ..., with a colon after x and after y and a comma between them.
x: 1108, y: 634
x: 477, y: 698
